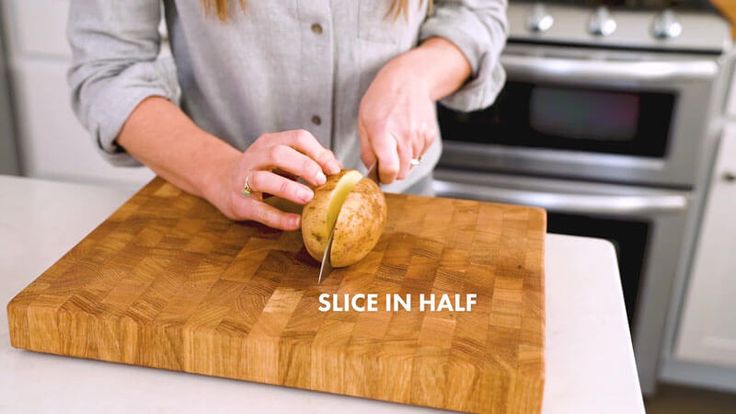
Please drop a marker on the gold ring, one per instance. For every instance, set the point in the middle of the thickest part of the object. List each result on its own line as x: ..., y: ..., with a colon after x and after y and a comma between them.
x: 415, y: 161
x: 246, y: 191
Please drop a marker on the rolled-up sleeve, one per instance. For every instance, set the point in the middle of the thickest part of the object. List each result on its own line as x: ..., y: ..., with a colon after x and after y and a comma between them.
x: 479, y: 29
x: 115, y: 65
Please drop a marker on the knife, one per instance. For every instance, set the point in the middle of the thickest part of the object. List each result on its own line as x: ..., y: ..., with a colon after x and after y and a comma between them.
x: 326, y: 267
x: 373, y: 174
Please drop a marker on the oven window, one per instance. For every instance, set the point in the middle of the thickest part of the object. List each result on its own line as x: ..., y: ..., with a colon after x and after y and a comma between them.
x: 630, y: 238
x: 569, y: 118
x: 594, y: 115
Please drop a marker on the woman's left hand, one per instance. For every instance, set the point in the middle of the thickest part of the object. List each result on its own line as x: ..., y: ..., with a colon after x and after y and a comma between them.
x: 397, y: 120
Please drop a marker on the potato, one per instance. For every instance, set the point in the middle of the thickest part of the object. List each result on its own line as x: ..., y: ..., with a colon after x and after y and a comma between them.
x: 355, y: 206
x: 359, y: 224
x: 320, y: 214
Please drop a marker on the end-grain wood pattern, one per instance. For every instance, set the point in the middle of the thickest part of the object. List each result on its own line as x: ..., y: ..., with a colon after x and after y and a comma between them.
x: 168, y: 282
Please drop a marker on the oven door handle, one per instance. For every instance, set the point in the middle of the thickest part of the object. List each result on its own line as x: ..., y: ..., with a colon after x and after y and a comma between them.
x: 538, y: 68
x: 567, y: 202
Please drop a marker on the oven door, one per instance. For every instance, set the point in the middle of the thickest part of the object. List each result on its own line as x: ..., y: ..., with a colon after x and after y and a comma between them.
x: 601, y: 115
x: 644, y: 225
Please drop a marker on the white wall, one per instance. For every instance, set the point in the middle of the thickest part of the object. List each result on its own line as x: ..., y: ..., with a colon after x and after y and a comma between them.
x: 53, y: 145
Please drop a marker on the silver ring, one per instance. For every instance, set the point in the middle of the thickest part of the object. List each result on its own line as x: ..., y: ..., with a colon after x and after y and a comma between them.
x: 246, y: 191
x: 415, y: 161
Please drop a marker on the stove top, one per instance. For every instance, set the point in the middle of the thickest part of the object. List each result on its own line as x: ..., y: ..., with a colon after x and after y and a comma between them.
x: 659, y: 25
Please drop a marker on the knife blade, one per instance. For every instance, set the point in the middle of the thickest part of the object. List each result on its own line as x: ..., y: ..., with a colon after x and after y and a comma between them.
x: 373, y: 174
x: 326, y: 268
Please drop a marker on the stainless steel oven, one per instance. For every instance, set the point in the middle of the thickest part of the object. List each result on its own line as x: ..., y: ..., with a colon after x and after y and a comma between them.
x: 621, y: 116
x: 608, y: 119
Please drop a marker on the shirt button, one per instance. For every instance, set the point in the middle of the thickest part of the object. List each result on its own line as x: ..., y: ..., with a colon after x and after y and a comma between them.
x: 317, y: 28
x: 316, y: 120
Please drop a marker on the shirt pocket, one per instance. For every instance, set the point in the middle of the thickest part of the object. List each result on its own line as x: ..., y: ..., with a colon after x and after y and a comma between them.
x: 375, y: 23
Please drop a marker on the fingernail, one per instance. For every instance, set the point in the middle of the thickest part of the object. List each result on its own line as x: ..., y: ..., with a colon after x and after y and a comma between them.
x: 304, y: 194
x: 334, y: 167
x: 295, y: 221
x: 321, y: 178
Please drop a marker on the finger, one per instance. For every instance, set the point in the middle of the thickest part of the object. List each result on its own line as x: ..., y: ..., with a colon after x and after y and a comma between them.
x: 292, y: 161
x: 431, y: 134
x: 386, y: 150
x: 307, y: 144
x: 417, y: 145
x: 250, y: 209
x: 366, y: 151
x: 274, y: 184
x: 404, y: 145
x: 282, y: 173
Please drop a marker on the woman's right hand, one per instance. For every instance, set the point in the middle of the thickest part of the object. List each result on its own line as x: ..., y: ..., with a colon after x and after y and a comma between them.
x: 295, y: 152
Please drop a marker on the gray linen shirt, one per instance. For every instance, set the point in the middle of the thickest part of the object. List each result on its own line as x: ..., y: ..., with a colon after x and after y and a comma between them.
x: 270, y: 67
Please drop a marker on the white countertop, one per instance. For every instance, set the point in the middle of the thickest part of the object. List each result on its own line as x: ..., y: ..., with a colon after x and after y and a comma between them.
x: 590, y: 360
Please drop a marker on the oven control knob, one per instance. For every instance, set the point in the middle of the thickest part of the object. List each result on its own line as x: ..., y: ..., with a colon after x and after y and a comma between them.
x: 666, y: 25
x: 539, y: 20
x: 601, y: 23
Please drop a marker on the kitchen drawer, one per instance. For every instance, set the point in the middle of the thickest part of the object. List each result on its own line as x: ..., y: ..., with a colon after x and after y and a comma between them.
x: 37, y: 27
x: 53, y: 143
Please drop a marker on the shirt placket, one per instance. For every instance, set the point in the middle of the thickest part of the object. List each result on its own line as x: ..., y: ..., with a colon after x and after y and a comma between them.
x: 317, y: 69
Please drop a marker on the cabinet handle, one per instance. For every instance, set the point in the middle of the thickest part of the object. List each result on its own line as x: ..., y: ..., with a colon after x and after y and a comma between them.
x: 729, y: 177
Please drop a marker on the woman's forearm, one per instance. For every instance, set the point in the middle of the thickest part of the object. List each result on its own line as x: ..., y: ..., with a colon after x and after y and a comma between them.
x: 439, y: 63
x: 161, y: 136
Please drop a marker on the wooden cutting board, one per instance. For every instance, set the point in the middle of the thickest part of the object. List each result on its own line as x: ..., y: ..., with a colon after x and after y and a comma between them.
x: 168, y: 282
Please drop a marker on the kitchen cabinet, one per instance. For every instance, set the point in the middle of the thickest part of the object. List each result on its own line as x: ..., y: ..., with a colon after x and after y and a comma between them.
x: 8, y: 152
x: 39, y: 27
x: 707, y: 331
x: 52, y: 143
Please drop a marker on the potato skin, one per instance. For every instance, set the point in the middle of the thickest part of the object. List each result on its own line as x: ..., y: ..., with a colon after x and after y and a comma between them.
x: 359, y: 225
x: 314, y: 217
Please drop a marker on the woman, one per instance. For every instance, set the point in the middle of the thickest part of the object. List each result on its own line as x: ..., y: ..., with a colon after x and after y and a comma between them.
x: 294, y: 86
